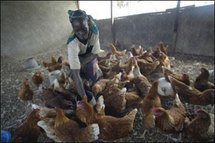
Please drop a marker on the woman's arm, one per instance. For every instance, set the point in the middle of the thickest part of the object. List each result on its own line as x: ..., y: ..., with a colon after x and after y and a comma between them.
x: 78, y: 82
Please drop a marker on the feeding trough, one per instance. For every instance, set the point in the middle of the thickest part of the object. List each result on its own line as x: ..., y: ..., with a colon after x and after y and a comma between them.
x: 31, y: 64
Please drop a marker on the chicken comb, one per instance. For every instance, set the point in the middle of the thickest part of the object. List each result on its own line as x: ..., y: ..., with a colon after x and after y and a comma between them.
x: 154, y: 109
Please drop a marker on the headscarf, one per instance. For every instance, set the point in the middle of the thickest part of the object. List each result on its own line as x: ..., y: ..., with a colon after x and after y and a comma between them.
x: 77, y: 14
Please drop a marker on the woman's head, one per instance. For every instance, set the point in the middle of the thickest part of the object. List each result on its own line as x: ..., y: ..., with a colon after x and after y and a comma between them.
x: 79, y: 21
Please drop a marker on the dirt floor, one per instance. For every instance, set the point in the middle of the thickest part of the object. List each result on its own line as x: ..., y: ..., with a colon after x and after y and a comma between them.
x: 14, y: 112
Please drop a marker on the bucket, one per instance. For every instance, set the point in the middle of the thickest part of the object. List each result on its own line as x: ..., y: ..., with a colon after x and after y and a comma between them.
x: 5, y: 136
x: 54, y: 75
x: 31, y: 64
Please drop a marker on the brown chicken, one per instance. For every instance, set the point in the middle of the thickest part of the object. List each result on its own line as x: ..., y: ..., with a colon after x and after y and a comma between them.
x: 172, y: 120
x: 201, y: 83
x: 60, y: 59
x: 53, y: 61
x: 149, y: 102
x: 68, y: 130
x: 133, y: 100
x: 25, y: 93
x: 117, y: 44
x: 66, y: 63
x: 163, y: 48
x: 146, y: 67
x: 201, y: 128
x: 136, y: 52
x: 102, y: 59
x: 37, y: 78
x: 62, y: 80
x: 111, y: 128
x: 99, y: 86
x: 54, y: 65
x: 57, y: 99
x: 118, y: 53
x: 148, y: 57
x: 181, y: 77
x: 157, y: 53
x: 143, y: 85
x: 100, y: 106
x: 115, y: 102
x: 191, y: 95
x: 28, y: 131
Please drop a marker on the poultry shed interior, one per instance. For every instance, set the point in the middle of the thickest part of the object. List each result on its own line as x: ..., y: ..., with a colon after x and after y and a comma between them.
x: 157, y: 85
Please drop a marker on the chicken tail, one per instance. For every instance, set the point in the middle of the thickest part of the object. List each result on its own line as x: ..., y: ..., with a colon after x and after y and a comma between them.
x: 132, y: 114
x: 48, y: 126
x: 93, y: 131
x: 177, y: 101
x: 100, y: 106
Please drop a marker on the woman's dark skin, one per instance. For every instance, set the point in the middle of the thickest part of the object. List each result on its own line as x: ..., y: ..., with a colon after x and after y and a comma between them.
x: 81, y: 29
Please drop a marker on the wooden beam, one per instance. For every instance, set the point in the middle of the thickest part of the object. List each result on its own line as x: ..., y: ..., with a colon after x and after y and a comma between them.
x: 175, y: 34
x: 78, y: 4
x: 112, y: 23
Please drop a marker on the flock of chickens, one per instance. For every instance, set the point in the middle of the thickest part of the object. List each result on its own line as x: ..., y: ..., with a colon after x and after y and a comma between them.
x: 123, y: 91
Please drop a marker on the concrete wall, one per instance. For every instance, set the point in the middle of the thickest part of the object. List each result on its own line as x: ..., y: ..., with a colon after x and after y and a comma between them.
x: 105, y: 35
x: 32, y: 27
x: 195, y: 30
x: 145, y: 29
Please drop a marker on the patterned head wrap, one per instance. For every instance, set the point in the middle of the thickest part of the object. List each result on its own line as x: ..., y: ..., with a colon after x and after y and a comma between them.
x: 77, y: 14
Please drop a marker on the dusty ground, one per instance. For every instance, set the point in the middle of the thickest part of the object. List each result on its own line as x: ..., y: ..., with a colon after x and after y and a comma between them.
x: 14, y: 112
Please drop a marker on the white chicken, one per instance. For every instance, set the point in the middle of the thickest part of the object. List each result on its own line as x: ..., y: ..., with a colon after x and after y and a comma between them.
x: 164, y: 87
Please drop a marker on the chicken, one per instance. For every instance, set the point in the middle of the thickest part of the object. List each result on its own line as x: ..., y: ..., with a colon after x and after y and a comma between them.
x: 45, y: 112
x: 117, y: 44
x: 147, y: 56
x: 99, y: 86
x: 111, y: 128
x: 201, y: 83
x: 136, y: 52
x: 149, y: 102
x: 68, y: 130
x: 201, y: 128
x: 142, y: 84
x: 53, y: 61
x: 56, y: 99
x: 37, y: 78
x: 28, y: 131
x: 181, y: 77
x: 191, y: 95
x: 100, y: 106
x: 133, y: 100
x: 62, y: 80
x: 165, y: 88
x: 164, y: 61
x: 25, y: 93
x: 118, y: 53
x: 126, y: 57
x: 100, y: 59
x: 146, y: 67
x: 54, y: 65
x: 60, y: 60
x: 47, y: 124
x: 157, y: 53
x: 66, y: 63
x: 172, y: 120
x: 163, y: 48
x: 115, y: 101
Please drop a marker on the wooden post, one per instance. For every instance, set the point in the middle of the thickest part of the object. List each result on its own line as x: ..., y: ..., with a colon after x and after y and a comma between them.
x: 112, y: 23
x: 78, y: 4
x: 175, y: 34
